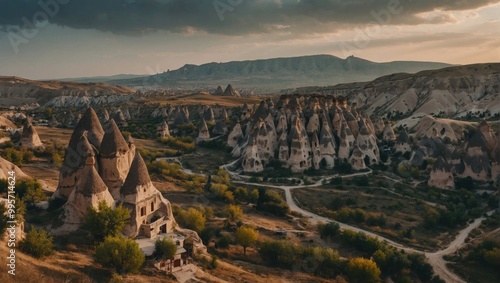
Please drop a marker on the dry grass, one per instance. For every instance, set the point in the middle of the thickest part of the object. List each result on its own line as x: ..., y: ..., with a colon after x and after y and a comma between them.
x: 60, y: 267
x: 47, y: 173
x: 203, y: 99
x: 150, y: 145
x: 67, y: 266
x: 50, y: 135
x: 406, y: 213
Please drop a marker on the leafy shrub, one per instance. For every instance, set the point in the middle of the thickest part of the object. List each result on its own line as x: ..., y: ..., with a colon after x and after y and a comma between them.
x: 165, y: 248
x: 105, y: 221
x: 329, y: 229
x: 271, y: 201
x: 122, y: 254
x: 37, y: 243
x: 224, y: 242
x: 192, y: 219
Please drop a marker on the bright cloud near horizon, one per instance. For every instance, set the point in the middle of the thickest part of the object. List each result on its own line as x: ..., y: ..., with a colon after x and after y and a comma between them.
x: 81, y: 38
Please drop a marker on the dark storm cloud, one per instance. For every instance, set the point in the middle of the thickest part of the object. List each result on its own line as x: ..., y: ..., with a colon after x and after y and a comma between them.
x: 232, y: 17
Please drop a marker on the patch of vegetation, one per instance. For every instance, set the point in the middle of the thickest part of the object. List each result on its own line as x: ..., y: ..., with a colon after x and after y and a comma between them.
x: 191, y: 218
x: 105, y: 221
x: 343, y: 167
x: 183, y: 144
x: 120, y: 253
x: 479, y: 264
x: 37, y: 243
x: 165, y: 248
x: 327, y: 230
x: 271, y: 201
x: 30, y: 191
x: 18, y: 157
x: 246, y: 237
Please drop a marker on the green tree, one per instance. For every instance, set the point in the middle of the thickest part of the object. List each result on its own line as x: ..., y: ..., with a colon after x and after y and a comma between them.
x: 105, y: 221
x: 122, y: 254
x: 165, y: 248
x: 241, y: 193
x: 192, y: 219
x: 380, y: 259
x: 222, y: 177
x: 37, y: 243
x: 253, y: 196
x: 246, y: 236
x: 33, y: 196
x: 492, y: 257
x: 431, y: 217
x: 31, y: 191
x: 362, y: 270
x: 329, y: 229
x: 56, y: 158
x: 234, y: 212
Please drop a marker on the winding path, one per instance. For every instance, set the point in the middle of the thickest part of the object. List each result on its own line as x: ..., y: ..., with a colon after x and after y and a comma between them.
x: 435, y: 258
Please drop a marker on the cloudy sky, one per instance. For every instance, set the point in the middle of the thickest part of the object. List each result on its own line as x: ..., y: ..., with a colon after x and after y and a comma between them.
x: 75, y: 38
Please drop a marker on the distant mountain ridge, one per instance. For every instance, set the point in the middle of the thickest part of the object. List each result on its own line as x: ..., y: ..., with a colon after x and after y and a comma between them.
x: 278, y: 73
x: 100, y: 79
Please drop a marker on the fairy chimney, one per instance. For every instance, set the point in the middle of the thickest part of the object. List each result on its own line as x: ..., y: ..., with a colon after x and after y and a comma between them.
x: 441, y: 176
x: 29, y: 137
x: 150, y: 213
x: 89, y: 191
x: 116, y: 158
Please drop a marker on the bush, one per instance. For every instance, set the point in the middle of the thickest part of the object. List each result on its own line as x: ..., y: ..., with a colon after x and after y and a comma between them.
x: 330, y: 229
x: 192, y: 219
x: 343, y: 167
x: 271, y: 201
x: 165, y: 248
x: 31, y: 191
x: 336, y: 181
x: 234, y: 212
x: 224, y: 242
x: 363, y: 270
x: 120, y: 253
x: 362, y: 181
x: 464, y: 183
x: 253, y: 196
x: 37, y: 243
x: 182, y: 144
x: 246, y: 236
x: 105, y: 221
x: 376, y: 220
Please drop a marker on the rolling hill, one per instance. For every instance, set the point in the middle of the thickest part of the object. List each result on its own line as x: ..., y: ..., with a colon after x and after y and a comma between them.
x: 278, y: 73
x: 15, y: 91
